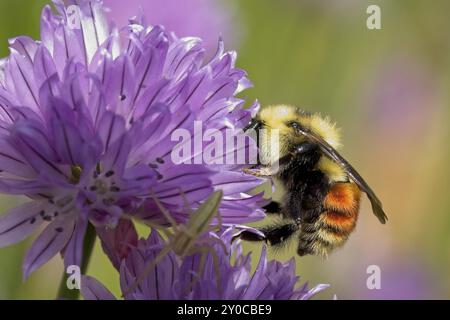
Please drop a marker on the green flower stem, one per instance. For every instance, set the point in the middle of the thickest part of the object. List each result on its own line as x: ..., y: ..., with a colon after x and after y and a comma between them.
x: 88, y: 246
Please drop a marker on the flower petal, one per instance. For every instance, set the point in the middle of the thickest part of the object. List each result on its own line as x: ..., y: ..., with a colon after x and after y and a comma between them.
x: 48, y: 25
x: 231, y: 182
x: 73, y: 252
x: 22, y: 75
x: 190, y: 191
x: 94, y: 27
x: 312, y: 292
x: 120, y: 83
x: 34, y: 145
x: 19, y: 223
x: 259, y: 281
x: 66, y: 134
x: 65, y: 48
x: 13, y: 162
x: 44, y: 67
x: 51, y: 241
x: 149, y: 68
x: 111, y: 128
x: 25, y: 46
x: 92, y: 289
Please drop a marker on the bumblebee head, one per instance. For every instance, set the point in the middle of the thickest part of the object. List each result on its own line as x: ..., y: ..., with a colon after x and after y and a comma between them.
x: 283, y: 121
x: 286, y: 119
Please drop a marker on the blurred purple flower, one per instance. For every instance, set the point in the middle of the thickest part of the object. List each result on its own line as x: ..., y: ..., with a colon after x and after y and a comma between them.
x: 401, y: 97
x: 404, y: 278
x: 173, y: 279
x: 206, y: 19
x: 86, y: 116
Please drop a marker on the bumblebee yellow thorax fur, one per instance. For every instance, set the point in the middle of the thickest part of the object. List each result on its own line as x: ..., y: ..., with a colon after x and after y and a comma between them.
x: 275, y: 121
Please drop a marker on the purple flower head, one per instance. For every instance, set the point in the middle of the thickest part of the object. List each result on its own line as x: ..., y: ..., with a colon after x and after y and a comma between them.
x: 86, y: 118
x: 173, y: 279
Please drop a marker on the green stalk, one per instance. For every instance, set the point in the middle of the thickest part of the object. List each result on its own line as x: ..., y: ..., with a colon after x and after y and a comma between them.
x: 89, y: 240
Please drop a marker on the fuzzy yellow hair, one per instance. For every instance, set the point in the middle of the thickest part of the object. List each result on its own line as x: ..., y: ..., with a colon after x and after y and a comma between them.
x: 277, y: 117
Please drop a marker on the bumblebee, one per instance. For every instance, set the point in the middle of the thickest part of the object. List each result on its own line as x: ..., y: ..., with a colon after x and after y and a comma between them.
x: 323, y: 191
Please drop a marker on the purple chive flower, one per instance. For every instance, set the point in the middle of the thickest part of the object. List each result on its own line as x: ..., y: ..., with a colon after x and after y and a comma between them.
x: 173, y: 279
x: 86, y: 116
x: 401, y: 97
x: 207, y: 19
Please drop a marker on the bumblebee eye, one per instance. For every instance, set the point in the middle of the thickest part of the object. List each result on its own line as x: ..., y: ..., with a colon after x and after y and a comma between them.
x: 294, y: 125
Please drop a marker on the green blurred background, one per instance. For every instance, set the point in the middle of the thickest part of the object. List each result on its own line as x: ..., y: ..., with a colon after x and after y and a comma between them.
x: 389, y: 91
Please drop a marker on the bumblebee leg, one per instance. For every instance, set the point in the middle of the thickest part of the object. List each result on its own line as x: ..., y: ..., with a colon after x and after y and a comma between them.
x: 259, y: 172
x: 250, y: 236
x: 273, y: 235
x: 279, y: 233
x: 273, y: 208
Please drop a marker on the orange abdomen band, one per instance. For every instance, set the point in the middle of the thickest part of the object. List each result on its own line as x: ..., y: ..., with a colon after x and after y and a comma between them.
x: 341, y: 206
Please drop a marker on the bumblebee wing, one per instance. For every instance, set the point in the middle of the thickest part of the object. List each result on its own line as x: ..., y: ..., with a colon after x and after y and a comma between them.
x: 330, y: 152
